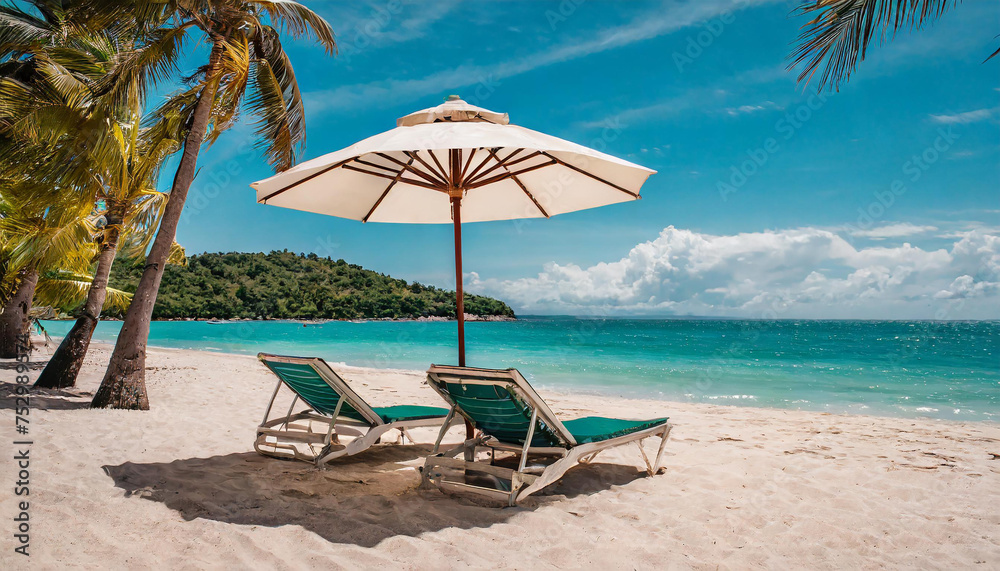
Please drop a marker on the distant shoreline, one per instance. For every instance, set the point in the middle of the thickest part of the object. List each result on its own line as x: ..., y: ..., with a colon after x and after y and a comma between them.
x: 468, y: 318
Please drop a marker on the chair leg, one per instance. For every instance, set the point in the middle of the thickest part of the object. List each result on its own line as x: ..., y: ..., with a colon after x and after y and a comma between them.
x: 444, y: 429
x: 649, y: 467
x: 551, y: 473
x: 659, y: 453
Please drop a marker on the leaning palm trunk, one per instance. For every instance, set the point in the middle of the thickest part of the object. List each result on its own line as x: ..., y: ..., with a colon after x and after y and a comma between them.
x: 124, y: 384
x: 14, y: 321
x: 64, y: 366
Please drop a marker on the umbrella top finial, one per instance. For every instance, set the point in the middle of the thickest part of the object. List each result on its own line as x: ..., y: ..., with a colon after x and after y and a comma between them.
x: 452, y: 110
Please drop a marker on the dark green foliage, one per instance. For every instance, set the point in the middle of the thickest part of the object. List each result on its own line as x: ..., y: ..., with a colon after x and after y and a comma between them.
x: 284, y: 285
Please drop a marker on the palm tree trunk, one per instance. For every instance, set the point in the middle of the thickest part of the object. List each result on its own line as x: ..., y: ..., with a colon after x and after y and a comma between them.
x: 64, y: 366
x: 124, y: 384
x: 14, y: 320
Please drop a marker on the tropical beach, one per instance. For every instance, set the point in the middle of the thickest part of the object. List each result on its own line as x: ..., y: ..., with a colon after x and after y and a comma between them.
x: 744, y: 487
x: 638, y: 285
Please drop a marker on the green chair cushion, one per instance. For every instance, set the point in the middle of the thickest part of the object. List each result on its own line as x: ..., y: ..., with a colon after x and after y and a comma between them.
x: 312, y: 389
x: 494, y: 410
x: 597, y: 428
x: 409, y: 412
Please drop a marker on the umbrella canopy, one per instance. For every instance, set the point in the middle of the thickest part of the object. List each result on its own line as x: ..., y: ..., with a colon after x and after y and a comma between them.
x: 452, y: 163
x: 410, y: 173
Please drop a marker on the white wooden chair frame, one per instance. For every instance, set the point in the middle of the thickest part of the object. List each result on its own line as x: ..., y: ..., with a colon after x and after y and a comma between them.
x: 277, y: 437
x: 524, y: 481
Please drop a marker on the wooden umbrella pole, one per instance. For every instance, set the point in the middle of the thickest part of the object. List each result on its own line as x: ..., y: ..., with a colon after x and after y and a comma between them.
x: 456, y: 205
x: 455, y: 191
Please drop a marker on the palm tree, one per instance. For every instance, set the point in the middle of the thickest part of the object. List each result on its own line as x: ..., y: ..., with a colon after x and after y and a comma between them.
x: 841, y: 30
x: 127, y: 188
x: 50, y: 125
x: 35, y: 239
x: 245, y: 56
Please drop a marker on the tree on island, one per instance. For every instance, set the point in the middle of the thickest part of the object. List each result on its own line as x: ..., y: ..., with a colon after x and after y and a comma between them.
x: 247, y: 68
x: 284, y: 285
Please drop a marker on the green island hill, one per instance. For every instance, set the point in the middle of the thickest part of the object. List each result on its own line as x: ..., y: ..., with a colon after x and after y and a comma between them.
x: 286, y: 285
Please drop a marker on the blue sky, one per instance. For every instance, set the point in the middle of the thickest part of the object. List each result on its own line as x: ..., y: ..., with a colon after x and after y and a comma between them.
x: 814, y: 231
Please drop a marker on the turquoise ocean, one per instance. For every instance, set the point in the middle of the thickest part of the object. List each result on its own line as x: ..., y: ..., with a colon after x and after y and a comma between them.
x: 948, y: 370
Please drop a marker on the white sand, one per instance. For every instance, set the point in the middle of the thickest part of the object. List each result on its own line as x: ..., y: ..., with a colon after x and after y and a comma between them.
x: 180, y: 487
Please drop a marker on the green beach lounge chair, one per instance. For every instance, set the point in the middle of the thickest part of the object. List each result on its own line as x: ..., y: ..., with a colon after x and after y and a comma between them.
x: 511, y: 418
x: 337, y: 409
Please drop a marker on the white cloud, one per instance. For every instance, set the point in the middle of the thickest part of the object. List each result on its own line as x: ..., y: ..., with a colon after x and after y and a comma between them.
x: 965, y: 287
x: 708, y: 99
x: 368, y: 25
x: 897, y: 230
x: 804, y: 272
x: 967, y: 117
x: 746, y: 109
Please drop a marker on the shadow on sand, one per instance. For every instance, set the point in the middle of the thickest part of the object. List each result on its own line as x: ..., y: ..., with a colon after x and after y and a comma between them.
x: 360, y: 500
x: 45, y: 399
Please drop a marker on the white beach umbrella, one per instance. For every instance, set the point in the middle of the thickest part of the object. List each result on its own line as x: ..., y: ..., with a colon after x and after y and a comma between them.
x: 450, y: 164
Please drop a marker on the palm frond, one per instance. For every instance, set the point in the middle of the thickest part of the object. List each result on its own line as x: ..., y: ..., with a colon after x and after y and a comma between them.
x: 277, y: 102
x: 67, y: 290
x: 19, y: 29
x: 992, y: 55
x: 137, y: 70
x: 71, y: 89
x: 141, y: 222
x: 234, y: 76
x: 50, y: 240
x: 299, y: 21
x: 177, y: 256
x: 838, y: 36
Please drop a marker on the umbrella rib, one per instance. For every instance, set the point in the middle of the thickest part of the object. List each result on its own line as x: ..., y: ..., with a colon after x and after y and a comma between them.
x: 439, y: 175
x: 593, y: 176
x: 385, y: 192
x: 508, y: 174
x: 499, y: 164
x: 465, y: 169
x: 410, y: 181
x: 415, y: 170
x: 376, y: 165
x: 306, y: 179
x: 441, y: 169
x: 524, y: 158
x: 524, y: 188
x: 486, y: 159
x: 531, y: 196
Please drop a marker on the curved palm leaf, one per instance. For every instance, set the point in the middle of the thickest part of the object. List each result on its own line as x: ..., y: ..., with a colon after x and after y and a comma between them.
x: 66, y: 291
x: 136, y: 70
x: 19, y: 28
x: 177, y: 256
x: 299, y: 21
x: 838, y: 36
